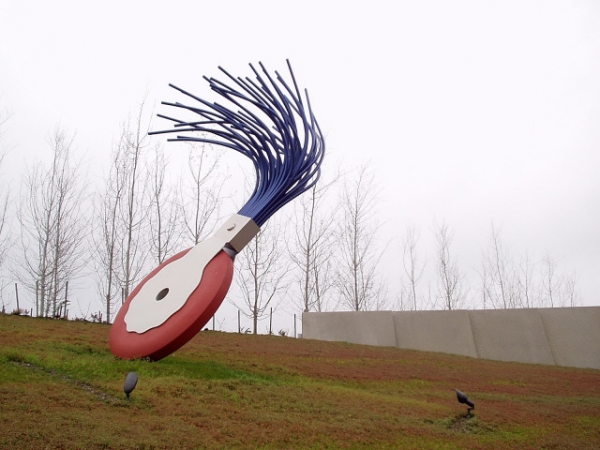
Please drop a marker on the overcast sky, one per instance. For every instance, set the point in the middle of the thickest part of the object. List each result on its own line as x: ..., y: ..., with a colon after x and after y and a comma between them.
x: 468, y: 111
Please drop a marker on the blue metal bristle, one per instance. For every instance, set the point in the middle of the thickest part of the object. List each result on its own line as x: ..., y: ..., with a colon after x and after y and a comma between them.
x: 271, y: 124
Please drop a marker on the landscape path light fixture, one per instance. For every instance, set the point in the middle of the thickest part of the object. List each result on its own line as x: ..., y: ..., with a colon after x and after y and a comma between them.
x: 462, y: 398
x: 130, y: 383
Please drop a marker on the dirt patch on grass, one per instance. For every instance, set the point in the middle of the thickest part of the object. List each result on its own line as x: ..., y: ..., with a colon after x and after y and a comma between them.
x: 98, y: 393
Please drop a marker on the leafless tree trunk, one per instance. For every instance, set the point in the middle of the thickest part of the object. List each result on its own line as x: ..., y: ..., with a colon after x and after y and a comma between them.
x: 4, y: 235
x: 486, y: 294
x: 357, y: 281
x: 450, y: 282
x: 413, y: 268
x: 502, y: 283
x: 262, y: 275
x: 200, y: 198
x: 106, y: 241
x: 551, y: 283
x: 133, y: 210
x: 557, y: 289
x: 165, y: 214
x: 571, y: 294
x: 505, y: 285
x: 54, y: 225
x: 121, y: 239
x: 526, y: 282
x: 314, y: 245
x: 4, y: 204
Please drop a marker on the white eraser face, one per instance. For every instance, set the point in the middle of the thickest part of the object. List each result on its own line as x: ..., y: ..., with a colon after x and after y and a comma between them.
x: 167, y: 291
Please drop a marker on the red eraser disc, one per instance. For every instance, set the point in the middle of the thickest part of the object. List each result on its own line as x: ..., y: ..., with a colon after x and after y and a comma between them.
x: 184, y: 324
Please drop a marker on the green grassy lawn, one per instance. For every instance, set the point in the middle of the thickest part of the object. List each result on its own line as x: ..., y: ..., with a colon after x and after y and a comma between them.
x: 61, y: 388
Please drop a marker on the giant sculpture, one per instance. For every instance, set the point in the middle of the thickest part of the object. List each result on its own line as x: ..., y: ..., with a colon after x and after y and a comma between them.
x: 270, y: 122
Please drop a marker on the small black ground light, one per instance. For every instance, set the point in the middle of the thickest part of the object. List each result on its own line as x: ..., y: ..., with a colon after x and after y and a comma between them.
x: 130, y: 382
x: 462, y: 398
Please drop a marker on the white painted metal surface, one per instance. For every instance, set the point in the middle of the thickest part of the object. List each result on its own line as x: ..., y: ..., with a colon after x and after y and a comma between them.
x: 167, y: 291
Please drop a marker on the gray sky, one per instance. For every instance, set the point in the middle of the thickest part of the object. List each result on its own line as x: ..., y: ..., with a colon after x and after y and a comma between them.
x: 468, y: 111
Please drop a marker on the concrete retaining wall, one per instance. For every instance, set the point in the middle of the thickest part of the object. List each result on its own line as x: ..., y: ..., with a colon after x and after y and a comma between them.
x: 370, y: 328
x: 554, y: 336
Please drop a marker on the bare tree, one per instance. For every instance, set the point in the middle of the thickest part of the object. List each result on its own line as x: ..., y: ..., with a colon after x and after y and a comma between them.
x: 133, y: 209
x: 4, y: 241
x: 413, y: 268
x: 4, y: 204
x: 552, y: 283
x: 314, y: 244
x: 106, y: 239
x: 165, y: 214
x: 486, y: 293
x: 451, y: 291
x: 4, y: 235
x: 526, y: 282
x: 4, y: 197
x: 200, y: 198
x: 501, y: 283
x: 262, y: 275
x: 556, y: 288
x: 54, y: 226
x: 357, y: 280
x: 571, y: 293
x: 122, y: 238
x: 506, y: 285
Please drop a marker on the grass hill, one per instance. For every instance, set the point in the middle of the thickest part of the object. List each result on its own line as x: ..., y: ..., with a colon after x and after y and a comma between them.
x: 61, y: 388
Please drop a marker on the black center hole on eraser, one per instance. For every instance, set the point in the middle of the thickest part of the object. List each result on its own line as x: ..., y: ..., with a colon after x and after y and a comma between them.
x: 162, y: 294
